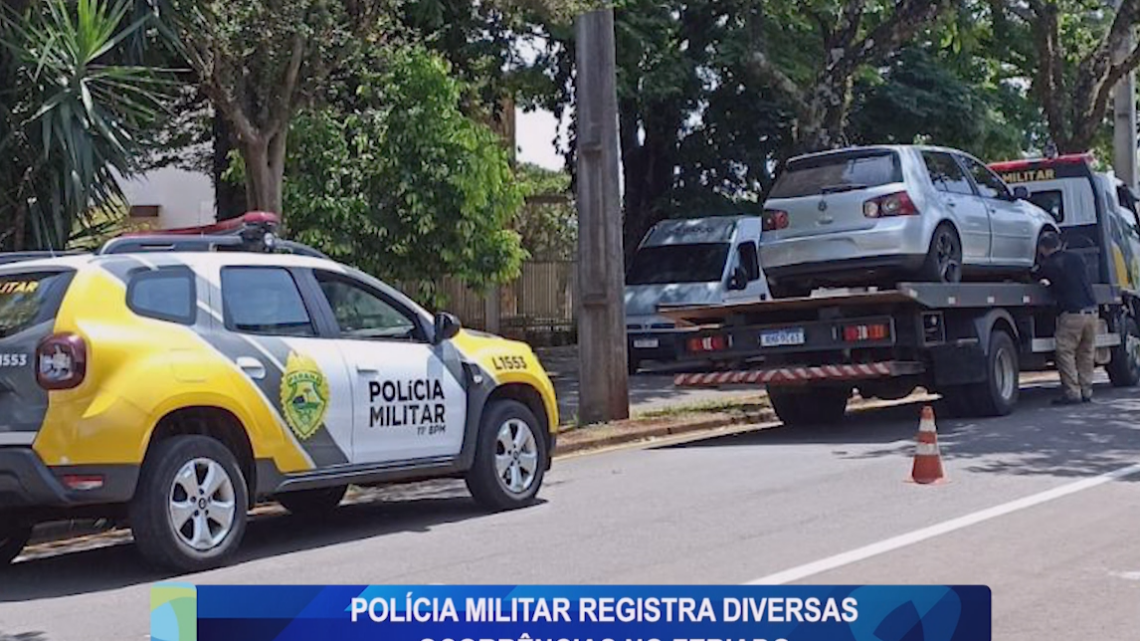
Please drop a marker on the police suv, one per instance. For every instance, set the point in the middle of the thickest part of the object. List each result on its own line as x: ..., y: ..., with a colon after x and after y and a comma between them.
x: 175, y: 380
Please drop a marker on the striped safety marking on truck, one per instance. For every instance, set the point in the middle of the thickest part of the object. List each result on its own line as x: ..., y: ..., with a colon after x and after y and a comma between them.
x: 784, y: 375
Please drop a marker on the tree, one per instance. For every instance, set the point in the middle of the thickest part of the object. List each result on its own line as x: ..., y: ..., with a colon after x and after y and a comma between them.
x: 1071, y: 62
x: 844, y: 36
x: 548, y: 223
x: 259, y: 62
x: 70, y: 120
x: 408, y: 189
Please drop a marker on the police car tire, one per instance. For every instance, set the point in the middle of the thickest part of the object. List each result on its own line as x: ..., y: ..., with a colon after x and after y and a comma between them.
x: 313, y: 502
x: 150, y: 523
x: 13, y: 538
x: 482, y: 480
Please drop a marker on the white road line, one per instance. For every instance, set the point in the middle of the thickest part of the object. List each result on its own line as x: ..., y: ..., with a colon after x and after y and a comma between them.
x: 946, y: 527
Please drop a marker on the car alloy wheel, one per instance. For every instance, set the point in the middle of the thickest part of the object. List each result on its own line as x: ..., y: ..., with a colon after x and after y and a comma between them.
x: 202, y: 504
x: 948, y: 254
x: 516, y: 456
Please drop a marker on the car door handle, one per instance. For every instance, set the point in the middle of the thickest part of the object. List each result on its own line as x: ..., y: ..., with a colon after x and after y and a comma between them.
x: 251, y: 366
x: 367, y: 369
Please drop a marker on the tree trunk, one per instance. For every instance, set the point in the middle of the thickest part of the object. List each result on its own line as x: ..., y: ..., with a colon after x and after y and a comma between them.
x: 822, y: 123
x: 264, y: 167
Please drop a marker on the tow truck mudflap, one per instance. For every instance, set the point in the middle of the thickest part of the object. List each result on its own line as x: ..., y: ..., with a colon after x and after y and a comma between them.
x: 798, y: 375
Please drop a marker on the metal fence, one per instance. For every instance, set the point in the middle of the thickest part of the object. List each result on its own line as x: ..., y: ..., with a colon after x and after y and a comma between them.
x: 537, y: 307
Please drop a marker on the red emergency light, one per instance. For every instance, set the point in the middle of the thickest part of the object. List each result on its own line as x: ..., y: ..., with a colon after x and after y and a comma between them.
x: 252, y: 218
x: 1017, y: 165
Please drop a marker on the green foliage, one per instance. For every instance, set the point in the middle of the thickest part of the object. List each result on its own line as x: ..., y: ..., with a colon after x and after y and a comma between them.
x: 410, y: 189
x: 69, y: 120
x: 548, y: 223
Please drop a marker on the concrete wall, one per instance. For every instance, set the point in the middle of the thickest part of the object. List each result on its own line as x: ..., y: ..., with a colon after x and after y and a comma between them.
x: 182, y: 198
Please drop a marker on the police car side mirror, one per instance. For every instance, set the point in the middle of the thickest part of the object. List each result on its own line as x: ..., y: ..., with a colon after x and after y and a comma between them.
x: 1020, y: 193
x: 447, y: 327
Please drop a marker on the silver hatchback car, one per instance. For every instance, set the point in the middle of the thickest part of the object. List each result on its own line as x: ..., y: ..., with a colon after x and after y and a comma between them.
x: 870, y: 216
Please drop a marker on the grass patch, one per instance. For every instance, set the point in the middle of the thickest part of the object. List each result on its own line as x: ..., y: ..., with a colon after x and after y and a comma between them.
x: 719, y: 406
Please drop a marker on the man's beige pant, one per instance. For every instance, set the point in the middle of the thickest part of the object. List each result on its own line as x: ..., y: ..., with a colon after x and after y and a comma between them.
x: 1076, y: 353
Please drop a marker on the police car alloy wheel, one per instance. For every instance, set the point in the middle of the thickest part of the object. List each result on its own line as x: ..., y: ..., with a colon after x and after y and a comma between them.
x: 201, y: 504
x: 190, y: 510
x: 13, y: 538
x: 510, y: 459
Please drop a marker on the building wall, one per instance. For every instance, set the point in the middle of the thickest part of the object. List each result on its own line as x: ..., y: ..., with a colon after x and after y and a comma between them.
x: 170, y: 198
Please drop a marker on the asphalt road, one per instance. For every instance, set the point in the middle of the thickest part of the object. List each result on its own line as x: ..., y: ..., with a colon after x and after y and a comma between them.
x: 1037, y: 507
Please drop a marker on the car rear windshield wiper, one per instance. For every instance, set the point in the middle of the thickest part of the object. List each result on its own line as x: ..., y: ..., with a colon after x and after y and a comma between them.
x: 838, y: 189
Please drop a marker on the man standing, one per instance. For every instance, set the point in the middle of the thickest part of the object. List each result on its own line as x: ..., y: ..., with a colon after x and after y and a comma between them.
x: 1077, y: 321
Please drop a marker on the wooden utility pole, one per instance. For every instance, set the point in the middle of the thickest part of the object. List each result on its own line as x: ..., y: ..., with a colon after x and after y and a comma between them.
x: 603, y: 390
x: 1124, y: 123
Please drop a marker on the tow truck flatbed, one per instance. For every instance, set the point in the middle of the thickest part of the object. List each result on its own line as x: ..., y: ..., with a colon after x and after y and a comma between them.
x: 966, y: 341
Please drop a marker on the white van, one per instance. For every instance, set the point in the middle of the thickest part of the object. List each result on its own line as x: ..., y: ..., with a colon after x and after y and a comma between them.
x: 696, y: 261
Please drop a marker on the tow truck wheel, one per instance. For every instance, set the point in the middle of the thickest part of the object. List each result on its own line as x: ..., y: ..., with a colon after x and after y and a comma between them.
x: 997, y: 395
x: 809, y: 407
x: 190, y: 510
x: 510, y: 458
x: 1124, y: 368
x: 312, y: 502
x: 13, y: 538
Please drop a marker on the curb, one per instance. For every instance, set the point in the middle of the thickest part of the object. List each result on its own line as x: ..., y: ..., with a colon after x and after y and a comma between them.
x: 680, y: 427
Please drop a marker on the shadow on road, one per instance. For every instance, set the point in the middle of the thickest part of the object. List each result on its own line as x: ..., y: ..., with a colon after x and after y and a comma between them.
x: 1037, y: 440
x: 413, y: 508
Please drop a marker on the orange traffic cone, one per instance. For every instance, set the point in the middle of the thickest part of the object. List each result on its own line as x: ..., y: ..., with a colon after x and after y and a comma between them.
x: 927, y: 457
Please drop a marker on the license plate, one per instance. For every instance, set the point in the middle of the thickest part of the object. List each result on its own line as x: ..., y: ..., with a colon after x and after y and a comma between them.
x: 645, y: 343
x: 782, y: 337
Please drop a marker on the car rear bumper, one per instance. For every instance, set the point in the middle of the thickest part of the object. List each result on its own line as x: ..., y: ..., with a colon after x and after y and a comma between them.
x: 890, y: 241
x: 847, y: 271
x: 27, y: 483
x: 658, y: 345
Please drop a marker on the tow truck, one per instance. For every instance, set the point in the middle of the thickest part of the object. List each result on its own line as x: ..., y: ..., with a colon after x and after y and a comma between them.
x: 967, y: 342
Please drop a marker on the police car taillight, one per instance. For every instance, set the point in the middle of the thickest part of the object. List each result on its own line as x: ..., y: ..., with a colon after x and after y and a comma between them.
x: 61, y: 362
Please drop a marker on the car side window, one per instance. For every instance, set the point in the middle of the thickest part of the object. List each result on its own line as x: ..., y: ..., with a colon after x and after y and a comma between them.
x: 264, y: 300
x: 989, y: 185
x: 362, y: 313
x: 166, y: 294
x: 749, y: 260
x: 946, y: 175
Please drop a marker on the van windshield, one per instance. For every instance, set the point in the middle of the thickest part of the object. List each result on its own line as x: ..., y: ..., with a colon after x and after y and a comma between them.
x: 663, y: 264
x: 835, y: 173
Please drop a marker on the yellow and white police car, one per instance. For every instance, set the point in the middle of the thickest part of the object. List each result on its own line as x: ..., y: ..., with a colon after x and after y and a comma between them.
x: 175, y: 380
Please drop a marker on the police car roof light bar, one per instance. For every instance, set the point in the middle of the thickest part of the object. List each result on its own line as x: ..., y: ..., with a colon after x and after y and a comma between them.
x: 252, y: 232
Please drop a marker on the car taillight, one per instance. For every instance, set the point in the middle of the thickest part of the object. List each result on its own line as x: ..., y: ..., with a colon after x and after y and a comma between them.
x: 866, y: 332
x: 897, y: 204
x: 775, y: 219
x: 709, y: 344
x: 61, y: 362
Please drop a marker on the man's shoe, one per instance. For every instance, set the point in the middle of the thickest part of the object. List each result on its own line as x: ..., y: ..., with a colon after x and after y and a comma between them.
x: 1065, y: 400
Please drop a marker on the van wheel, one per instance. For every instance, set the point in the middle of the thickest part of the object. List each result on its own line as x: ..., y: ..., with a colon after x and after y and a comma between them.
x: 943, y: 263
x: 809, y: 407
x: 1124, y: 368
x: 190, y: 510
x: 997, y: 395
x: 634, y: 365
x: 13, y: 538
x: 510, y: 457
x: 312, y: 502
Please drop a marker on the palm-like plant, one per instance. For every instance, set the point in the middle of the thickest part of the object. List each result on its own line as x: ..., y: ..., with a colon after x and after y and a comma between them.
x: 70, y: 119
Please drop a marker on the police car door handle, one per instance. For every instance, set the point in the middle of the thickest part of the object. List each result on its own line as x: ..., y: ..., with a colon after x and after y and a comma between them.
x: 367, y: 369
x: 251, y: 366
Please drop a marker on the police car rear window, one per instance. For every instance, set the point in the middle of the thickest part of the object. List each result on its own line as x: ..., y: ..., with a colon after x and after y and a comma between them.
x: 27, y: 300
x: 835, y: 173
